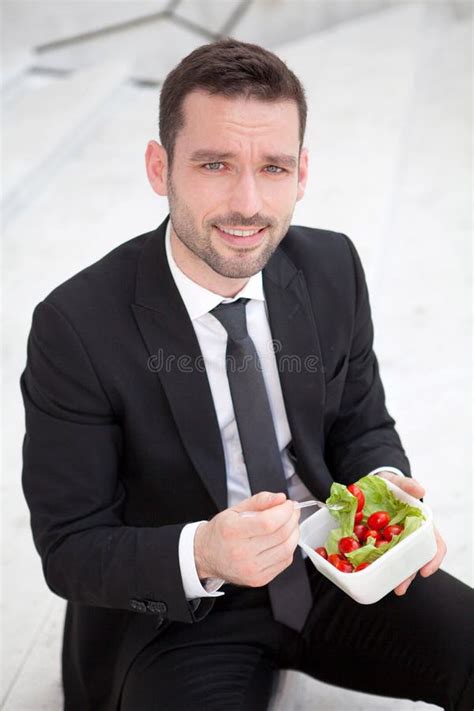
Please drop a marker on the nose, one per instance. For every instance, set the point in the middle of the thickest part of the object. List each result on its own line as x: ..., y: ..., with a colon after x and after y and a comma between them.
x: 245, y: 198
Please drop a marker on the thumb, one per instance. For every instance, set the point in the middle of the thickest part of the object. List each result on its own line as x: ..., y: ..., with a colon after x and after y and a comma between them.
x: 261, y: 501
x: 408, y: 484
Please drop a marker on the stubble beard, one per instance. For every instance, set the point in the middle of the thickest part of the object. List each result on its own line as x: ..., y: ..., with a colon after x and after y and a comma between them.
x: 246, y: 262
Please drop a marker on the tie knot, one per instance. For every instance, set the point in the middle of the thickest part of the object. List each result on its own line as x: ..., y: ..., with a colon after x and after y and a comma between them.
x: 233, y: 317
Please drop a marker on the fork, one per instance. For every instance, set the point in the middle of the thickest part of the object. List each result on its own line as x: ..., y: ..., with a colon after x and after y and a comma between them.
x: 315, y: 502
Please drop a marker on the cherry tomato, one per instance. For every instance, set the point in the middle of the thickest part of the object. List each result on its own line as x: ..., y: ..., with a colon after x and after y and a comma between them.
x: 380, y: 542
x: 334, y: 558
x: 322, y: 552
x: 390, y: 531
x: 360, y: 530
x: 358, y: 517
x: 373, y: 533
x: 344, y: 566
x: 348, y: 544
x: 361, y: 566
x: 378, y: 520
x: 359, y: 494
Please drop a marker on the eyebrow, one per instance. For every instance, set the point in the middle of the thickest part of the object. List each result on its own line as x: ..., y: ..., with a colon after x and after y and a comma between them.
x: 209, y: 156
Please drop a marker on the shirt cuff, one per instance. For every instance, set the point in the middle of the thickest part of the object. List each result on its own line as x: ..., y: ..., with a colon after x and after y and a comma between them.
x: 192, y: 585
x: 386, y: 469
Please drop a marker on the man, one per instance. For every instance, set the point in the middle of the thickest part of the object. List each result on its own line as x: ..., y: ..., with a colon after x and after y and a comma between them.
x: 182, y: 392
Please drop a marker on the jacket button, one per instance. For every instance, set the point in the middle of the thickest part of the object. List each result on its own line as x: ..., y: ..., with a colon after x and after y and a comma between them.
x: 138, y: 606
x: 157, y: 608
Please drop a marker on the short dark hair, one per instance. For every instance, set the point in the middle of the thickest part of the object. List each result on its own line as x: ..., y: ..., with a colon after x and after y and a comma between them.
x: 230, y: 68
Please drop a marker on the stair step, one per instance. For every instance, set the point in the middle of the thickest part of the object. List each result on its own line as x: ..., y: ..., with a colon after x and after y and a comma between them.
x: 42, y: 121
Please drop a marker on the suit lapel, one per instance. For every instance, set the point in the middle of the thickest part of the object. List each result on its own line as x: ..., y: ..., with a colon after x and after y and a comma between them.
x: 299, y: 362
x: 174, y: 354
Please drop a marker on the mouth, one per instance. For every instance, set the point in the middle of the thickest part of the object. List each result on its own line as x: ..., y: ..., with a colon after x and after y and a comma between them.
x: 250, y: 237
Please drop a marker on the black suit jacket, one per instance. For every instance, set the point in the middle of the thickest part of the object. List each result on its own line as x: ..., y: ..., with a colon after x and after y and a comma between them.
x: 122, y: 444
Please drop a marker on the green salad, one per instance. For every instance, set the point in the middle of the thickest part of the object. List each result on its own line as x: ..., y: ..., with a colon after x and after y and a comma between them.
x: 371, y: 522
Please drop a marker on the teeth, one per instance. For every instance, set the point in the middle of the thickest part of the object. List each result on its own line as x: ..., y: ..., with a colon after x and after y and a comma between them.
x: 239, y: 233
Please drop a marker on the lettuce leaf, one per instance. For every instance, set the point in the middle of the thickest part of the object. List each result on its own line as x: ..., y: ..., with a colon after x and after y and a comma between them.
x: 368, y: 553
x: 378, y: 497
x: 340, y: 495
x: 333, y: 540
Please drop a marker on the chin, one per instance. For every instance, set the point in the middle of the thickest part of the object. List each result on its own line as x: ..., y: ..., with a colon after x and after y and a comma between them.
x: 236, y: 269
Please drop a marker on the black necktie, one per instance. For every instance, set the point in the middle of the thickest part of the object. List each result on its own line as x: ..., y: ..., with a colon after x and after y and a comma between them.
x: 290, y: 592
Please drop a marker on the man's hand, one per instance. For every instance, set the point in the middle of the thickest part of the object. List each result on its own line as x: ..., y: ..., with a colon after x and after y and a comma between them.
x: 249, y: 544
x: 414, y: 488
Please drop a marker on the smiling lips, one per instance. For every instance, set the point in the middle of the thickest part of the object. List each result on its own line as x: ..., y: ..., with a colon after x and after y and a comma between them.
x: 241, y: 237
x: 240, y: 233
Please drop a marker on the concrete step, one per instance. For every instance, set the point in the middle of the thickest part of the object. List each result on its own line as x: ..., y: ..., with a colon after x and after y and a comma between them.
x: 29, y: 25
x: 359, y: 78
x: 153, y: 49
x: 299, y: 692
x: 273, y: 23
x: 36, y: 685
x: 67, y: 41
x: 423, y: 285
x: 39, y: 125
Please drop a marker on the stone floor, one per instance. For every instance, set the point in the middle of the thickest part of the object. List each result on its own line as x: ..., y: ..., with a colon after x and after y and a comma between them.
x: 388, y: 85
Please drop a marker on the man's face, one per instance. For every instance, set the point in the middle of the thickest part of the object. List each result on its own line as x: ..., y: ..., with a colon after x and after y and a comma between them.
x: 236, y: 167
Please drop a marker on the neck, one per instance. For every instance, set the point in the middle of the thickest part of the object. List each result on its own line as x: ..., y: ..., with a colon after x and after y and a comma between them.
x: 201, y: 273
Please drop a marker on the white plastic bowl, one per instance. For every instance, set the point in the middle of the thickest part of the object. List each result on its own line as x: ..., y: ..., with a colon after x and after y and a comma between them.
x: 384, y: 574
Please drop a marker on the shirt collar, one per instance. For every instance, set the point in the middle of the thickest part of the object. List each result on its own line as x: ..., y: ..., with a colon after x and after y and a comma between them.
x: 199, y: 300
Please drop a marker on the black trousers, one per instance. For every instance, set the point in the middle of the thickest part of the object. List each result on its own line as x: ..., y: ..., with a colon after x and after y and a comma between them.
x: 418, y: 647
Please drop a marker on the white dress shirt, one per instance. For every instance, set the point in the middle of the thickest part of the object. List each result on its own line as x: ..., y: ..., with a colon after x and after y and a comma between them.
x: 212, y: 338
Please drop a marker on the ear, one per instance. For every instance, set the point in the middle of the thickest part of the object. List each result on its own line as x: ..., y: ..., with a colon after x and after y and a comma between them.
x: 156, y: 162
x: 302, y: 173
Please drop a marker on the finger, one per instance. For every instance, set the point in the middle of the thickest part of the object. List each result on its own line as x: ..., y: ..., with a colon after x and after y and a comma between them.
x: 280, y: 555
x: 403, y: 587
x: 265, y: 523
x: 408, y: 484
x: 433, y: 565
x: 260, y: 502
x: 269, y: 574
x: 280, y: 536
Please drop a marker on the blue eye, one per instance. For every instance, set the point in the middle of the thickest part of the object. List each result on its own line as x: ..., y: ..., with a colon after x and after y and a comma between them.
x: 277, y: 171
x: 210, y: 168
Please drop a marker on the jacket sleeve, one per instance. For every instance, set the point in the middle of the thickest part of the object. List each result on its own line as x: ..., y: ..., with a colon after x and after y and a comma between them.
x: 363, y: 436
x: 71, y: 481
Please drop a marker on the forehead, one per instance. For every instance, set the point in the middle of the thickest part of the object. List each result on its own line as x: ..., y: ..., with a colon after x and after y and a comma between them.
x: 222, y: 120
